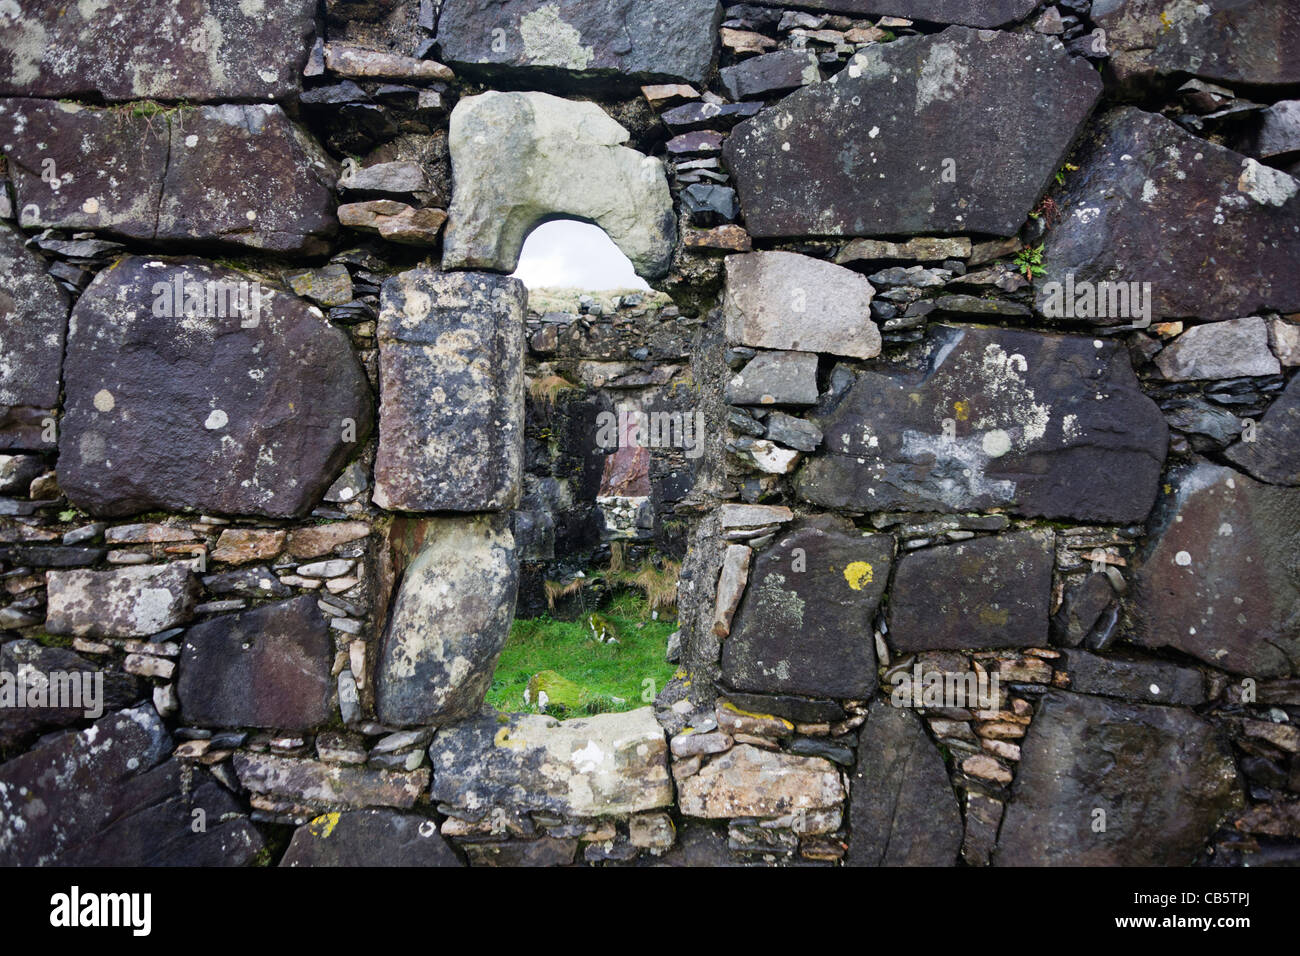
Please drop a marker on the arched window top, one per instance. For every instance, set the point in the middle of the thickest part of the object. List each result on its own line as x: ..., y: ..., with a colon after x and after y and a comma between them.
x: 569, y: 254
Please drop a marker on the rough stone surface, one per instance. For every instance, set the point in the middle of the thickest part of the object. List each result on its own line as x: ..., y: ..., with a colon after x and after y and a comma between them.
x: 328, y: 785
x: 449, y: 621
x: 242, y: 175
x: 1213, y: 231
x: 608, y: 765
x: 1148, y: 681
x: 908, y: 111
x: 775, y: 378
x: 451, y: 418
x: 988, y: 592
x: 1234, y: 349
x: 1279, y: 130
x: 804, y: 625
x: 155, y: 49
x: 971, y: 13
x: 266, y: 667
x: 633, y: 41
x: 369, y: 838
x: 243, y: 413
x: 1160, y: 774
x: 1256, y: 42
x: 124, y: 602
x: 568, y: 159
x: 749, y: 782
x: 770, y: 74
x: 902, y: 809
x: 782, y: 300
x: 1274, y: 455
x: 1038, y: 424
x: 1218, y: 579
x: 33, y: 324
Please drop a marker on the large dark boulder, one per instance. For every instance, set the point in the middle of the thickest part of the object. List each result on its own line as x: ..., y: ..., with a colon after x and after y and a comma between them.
x: 902, y: 809
x: 623, y: 41
x: 1110, y: 783
x: 1213, y: 231
x: 374, y: 837
x: 193, y: 50
x: 1273, y: 452
x: 266, y: 667
x: 242, y: 412
x: 1043, y: 425
x: 1218, y: 578
x: 805, y: 623
x: 913, y: 137
x: 33, y: 324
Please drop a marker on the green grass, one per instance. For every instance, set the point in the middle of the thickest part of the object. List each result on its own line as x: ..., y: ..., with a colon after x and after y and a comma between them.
x: 605, y: 670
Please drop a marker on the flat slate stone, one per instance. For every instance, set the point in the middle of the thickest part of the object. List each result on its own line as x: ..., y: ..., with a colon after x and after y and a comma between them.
x: 1217, y: 578
x: 242, y: 175
x: 449, y: 622
x: 1279, y: 130
x: 369, y: 838
x: 971, y: 13
x: 1237, y: 348
x: 569, y: 161
x: 782, y: 300
x: 749, y: 782
x: 770, y: 74
x: 986, y: 592
x: 247, y: 411
x: 266, y: 667
x: 1256, y: 42
x: 1213, y: 231
x: 608, y: 765
x: 1161, y: 775
x: 804, y: 624
x: 902, y: 809
x: 33, y: 325
x: 910, y: 138
x: 1043, y: 425
x: 134, y: 601
x: 775, y: 378
x: 327, y: 785
x: 628, y: 41
x: 451, y: 416
x: 1148, y: 681
x: 192, y: 50
x: 1274, y: 454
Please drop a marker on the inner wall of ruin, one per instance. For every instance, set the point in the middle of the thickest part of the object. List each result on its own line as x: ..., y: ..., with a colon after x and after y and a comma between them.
x: 979, y: 337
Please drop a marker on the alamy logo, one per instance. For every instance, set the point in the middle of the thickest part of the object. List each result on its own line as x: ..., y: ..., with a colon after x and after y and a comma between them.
x: 1098, y: 300
x: 636, y: 429
x: 209, y: 299
x: 76, y: 909
x: 30, y: 689
x: 975, y: 690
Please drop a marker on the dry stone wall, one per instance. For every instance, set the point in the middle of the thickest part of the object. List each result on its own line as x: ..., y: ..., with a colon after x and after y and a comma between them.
x: 984, y: 318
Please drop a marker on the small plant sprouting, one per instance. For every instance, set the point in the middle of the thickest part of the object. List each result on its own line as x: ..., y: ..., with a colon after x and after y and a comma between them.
x: 1060, y: 173
x: 1029, y: 262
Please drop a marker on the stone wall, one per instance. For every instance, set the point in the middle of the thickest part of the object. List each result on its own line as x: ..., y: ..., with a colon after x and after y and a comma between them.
x: 988, y: 311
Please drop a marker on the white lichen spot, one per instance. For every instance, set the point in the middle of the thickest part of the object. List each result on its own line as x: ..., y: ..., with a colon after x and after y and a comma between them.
x: 104, y: 401
x: 1182, y: 559
x: 1266, y: 185
x: 218, y: 419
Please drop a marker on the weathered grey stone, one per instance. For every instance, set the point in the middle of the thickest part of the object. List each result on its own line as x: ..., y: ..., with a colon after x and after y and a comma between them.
x: 795, y: 432
x: 400, y: 176
x: 449, y: 621
x: 1279, y: 130
x: 1039, y: 424
x: 243, y: 175
x: 266, y: 667
x: 33, y: 324
x: 1256, y: 42
x: 155, y: 49
x: 987, y: 592
x: 922, y: 249
x: 902, y: 811
x: 567, y: 159
x: 1161, y: 776
x: 1233, y: 349
x: 1218, y: 578
x: 775, y: 378
x: 731, y: 585
x: 862, y: 155
x: 770, y: 74
x: 125, y: 602
x: 609, y: 765
x: 1235, y: 246
x: 204, y: 406
x: 1148, y: 681
x: 451, y: 417
x: 782, y: 300
x: 328, y: 785
x: 628, y: 41
x: 749, y: 782
x: 369, y: 838
x: 1273, y: 454
x: 18, y: 471
x: 394, y: 221
x: 971, y: 13
x: 804, y: 625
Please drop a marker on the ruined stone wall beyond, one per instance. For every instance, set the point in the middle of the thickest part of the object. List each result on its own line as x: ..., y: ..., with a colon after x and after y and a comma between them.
x: 991, y: 315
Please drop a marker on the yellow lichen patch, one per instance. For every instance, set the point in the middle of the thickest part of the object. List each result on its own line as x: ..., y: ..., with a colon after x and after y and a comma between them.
x: 324, y: 825
x: 995, y: 617
x: 859, y: 573
x: 728, y: 705
x: 503, y: 739
x: 961, y: 410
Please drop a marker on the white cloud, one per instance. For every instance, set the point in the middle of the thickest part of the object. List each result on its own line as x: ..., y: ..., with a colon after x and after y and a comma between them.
x: 567, y: 254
